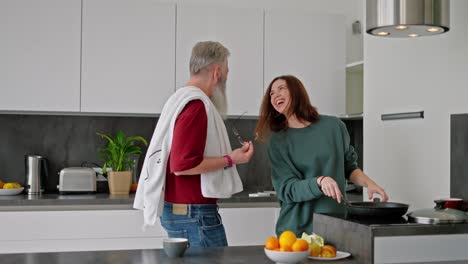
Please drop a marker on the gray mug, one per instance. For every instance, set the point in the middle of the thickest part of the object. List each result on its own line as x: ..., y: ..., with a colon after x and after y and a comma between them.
x: 175, y: 247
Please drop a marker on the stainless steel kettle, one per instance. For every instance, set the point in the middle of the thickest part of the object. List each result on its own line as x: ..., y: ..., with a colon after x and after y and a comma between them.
x: 36, y: 174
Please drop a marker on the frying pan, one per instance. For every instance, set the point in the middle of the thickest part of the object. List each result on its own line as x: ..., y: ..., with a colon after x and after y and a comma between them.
x: 376, y: 208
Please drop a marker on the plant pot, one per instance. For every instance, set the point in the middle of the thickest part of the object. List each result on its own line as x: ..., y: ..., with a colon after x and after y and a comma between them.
x: 119, y: 182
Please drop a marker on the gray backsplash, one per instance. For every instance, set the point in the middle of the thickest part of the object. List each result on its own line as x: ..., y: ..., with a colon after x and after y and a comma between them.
x: 459, y: 156
x: 71, y: 140
x: 68, y: 140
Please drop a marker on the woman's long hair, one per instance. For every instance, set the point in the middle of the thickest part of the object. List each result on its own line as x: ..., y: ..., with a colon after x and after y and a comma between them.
x: 299, y: 105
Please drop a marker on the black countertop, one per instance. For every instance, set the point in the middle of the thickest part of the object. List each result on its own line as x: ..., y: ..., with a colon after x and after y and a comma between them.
x: 395, y: 226
x: 343, y: 231
x: 239, y: 200
x: 227, y: 255
x: 105, y: 199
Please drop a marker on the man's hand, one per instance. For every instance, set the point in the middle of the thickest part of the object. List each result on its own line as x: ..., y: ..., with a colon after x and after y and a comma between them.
x: 242, y: 154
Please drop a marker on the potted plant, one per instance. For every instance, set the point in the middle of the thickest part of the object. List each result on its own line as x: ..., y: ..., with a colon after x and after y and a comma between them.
x: 117, y: 155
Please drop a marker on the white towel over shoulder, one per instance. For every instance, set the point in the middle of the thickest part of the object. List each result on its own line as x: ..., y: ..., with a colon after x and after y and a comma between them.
x: 222, y: 183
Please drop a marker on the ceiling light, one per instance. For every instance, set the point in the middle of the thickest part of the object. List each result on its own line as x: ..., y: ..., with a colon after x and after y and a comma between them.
x: 423, y: 17
x: 413, y: 35
x: 383, y: 33
x: 433, y: 29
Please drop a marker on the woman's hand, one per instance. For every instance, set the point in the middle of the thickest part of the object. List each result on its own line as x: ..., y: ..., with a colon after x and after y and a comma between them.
x: 242, y: 154
x: 330, y: 187
x: 373, y: 188
x: 360, y: 178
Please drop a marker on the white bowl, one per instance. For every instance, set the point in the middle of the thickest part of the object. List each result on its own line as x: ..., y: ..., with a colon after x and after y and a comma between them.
x: 286, y: 257
x: 11, y: 191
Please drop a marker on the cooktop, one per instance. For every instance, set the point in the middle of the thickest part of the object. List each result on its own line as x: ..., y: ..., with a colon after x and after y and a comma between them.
x: 374, y: 221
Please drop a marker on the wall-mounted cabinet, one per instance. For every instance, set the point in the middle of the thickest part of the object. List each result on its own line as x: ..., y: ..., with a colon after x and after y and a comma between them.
x: 311, y: 47
x: 128, y: 56
x: 40, y: 55
x: 243, y: 37
x: 122, y: 56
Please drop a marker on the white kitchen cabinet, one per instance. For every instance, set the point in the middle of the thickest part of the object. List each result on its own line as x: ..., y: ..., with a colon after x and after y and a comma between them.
x: 249, y: 226
x: 241, y: 31
x: 311, y: 47
x: 58, y: 231
x: 110, y: 229
x: 128, y: 56
x: 40, y: 55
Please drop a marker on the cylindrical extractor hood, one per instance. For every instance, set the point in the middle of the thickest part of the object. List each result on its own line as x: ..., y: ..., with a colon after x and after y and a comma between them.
x: 407, y: 18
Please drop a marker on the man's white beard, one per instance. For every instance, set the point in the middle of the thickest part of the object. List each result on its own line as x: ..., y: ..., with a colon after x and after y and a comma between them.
x: 219, y: 98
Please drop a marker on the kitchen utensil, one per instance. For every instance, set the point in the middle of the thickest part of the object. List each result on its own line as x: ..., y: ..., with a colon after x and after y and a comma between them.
x: 438, y: 215
x: 376, y: 208
x: 239, y: 138
x: 77, y: 180
x: 36, y: 173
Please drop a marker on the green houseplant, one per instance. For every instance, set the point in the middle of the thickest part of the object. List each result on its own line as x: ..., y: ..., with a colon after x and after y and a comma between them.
x: 117, y: 155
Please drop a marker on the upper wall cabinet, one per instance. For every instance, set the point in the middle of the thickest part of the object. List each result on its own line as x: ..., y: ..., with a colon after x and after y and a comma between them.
x: 311, y: 47
x: 40, y: 55
x: 128, y: 56
x: 241, y: 31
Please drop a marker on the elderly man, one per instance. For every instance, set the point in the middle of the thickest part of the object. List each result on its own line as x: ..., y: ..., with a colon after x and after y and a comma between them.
x: 190, y: 164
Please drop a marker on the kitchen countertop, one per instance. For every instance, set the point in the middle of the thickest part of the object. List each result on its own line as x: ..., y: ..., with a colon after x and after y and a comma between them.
x: 118, y: 202
x: 343, y: 231
x: 226, y: 255
x: 393, y: 226
x: 96, y: 201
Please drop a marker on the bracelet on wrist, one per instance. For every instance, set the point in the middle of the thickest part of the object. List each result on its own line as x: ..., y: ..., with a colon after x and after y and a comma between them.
x: 320, y: 181
x: 229, y: 161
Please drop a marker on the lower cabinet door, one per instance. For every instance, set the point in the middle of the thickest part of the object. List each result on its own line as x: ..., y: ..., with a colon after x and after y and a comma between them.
x: 248, y: 226
x: 56, y: 231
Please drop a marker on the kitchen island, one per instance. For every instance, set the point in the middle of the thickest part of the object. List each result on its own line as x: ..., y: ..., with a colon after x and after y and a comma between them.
x: 393, y: 240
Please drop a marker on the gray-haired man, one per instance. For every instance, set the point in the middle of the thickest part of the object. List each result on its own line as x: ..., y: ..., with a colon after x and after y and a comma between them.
x: 187, y: 213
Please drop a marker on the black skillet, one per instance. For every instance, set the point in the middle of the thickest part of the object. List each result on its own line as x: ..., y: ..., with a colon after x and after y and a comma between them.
x: 376, y: 209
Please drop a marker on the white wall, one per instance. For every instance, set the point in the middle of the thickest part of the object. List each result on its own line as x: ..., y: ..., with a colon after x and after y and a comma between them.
x: 352, y: 9
x: 411, y: 158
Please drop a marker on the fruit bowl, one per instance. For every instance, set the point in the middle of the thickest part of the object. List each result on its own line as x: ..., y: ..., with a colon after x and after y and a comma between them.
x: 11, y: 191
x: 281, y: 257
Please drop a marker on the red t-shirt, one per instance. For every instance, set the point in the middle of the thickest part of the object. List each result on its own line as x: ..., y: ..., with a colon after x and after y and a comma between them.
x: 188, y: 146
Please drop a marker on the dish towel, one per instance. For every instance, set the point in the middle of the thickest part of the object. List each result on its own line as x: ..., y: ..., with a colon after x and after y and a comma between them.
x: 222, y: 183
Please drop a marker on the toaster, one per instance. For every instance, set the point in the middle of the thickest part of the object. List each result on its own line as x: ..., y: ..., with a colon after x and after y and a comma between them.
x: 75, y: 180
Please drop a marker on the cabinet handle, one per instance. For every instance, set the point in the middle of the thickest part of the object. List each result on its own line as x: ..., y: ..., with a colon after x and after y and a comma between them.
x: 406, y: 115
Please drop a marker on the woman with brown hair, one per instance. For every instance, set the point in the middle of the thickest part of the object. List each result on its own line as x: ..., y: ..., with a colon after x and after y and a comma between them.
x: 310, y: 155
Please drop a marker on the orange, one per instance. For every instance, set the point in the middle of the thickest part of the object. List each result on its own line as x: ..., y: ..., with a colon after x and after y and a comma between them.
x: 133, y: 187
x: 300, y: 245
x: 272, y: 243
x: 285, y: 249
x: 287, y: 239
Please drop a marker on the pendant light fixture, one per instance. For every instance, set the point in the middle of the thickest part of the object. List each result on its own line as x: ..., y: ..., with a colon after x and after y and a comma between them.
x: 407, y: 18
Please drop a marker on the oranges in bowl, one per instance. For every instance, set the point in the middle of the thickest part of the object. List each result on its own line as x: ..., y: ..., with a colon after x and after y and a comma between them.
x: 287, y: 248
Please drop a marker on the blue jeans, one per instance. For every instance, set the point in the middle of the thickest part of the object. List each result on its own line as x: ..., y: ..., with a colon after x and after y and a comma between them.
x: 201, y: 225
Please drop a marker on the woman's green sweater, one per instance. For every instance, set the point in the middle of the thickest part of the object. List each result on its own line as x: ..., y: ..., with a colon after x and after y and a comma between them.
x: 298, y: 156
